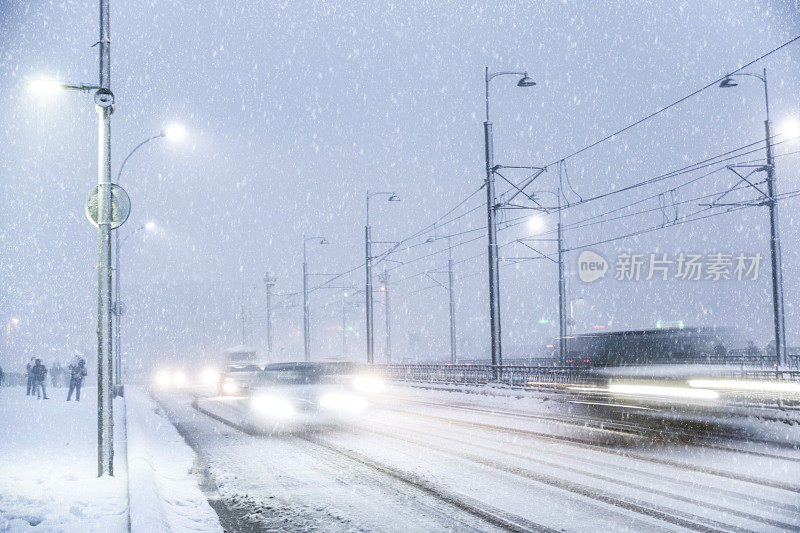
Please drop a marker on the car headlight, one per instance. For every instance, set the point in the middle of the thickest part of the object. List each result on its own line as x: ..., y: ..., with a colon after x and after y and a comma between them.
x: 230, y: 387
x: 369, y: 384
x: 164, y: 378
x: 351, y: 403
x: 272, y: 407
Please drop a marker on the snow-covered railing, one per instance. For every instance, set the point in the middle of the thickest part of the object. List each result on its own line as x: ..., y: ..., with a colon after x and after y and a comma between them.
x: 515, y: 375
x: 542, y: 377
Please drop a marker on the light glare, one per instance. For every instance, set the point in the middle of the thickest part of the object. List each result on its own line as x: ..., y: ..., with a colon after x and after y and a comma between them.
x: 272, y: 406
x: 174, y: 132
x: 663, y: 391
x: 741, y: 385
x: 179, y: 379
x: 230, y: 387
x: 45, y: 87
x: 791, y: 128
x: 369, y: 384
x: 343, y: 402
x: 536, y: 224
x: 164, y: 378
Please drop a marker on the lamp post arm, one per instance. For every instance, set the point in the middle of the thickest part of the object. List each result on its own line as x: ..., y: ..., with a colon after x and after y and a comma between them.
x: 81, y: 87
x: 122, y: 166
x: 490, y: 77
x: 131, y: 234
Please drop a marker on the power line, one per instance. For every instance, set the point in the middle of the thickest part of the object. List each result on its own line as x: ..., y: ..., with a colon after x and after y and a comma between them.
x: 673, y: 104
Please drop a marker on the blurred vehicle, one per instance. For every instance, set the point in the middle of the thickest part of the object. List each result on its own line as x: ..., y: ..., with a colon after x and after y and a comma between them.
x: 239, y: 358
x: 680, y: 345
x: 302, y: 395
x: 170, y: 379
x: 679, y: 373
x: 241, y: 365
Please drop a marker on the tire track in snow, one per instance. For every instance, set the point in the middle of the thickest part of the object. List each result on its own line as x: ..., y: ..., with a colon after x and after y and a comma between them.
x: 553, y: 481
x: 582, y: 443
x: 478, y: 509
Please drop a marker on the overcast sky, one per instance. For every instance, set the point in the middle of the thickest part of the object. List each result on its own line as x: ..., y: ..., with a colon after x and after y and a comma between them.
x: 293, y: 110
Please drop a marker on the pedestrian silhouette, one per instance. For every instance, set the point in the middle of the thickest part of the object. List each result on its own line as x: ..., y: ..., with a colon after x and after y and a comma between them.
x: 77, y: 371
x: 29, y: 374
x: 39, y: 372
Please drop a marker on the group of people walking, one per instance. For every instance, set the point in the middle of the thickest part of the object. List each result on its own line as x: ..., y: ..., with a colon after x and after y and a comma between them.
x: 37, y: 375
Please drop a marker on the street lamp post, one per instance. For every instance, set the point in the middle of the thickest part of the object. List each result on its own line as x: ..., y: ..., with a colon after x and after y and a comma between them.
x: 306, y: 318
x: 118, y: 307
x: 491, y: 212
x: 392, y: 197
x: 775, y: 244
x: 172, y: 132
x: 269, y: 281
x: 104, y: 101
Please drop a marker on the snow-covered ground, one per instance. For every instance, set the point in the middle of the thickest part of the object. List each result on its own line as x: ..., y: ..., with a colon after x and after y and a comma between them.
x: 164, y: 494
x: 420, y: 459
x: 434, y: 460
x: 48, y: 468
x: 48, y: 465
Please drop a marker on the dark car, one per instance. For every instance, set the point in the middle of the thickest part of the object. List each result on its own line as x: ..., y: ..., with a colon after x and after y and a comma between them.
x: 303, y: 394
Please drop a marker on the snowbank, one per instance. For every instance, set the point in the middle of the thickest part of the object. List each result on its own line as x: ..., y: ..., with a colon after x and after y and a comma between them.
x: 164, y: 495
x: 48, y: 465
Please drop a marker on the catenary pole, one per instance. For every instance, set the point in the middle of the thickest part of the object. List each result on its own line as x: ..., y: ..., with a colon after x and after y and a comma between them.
x: 491, y: 213
x: 368, y: 289
x: 774, y: 242
x: 388, y: 317
x: 450, y: 290
x: 306, y: 326
x: 491, y: 230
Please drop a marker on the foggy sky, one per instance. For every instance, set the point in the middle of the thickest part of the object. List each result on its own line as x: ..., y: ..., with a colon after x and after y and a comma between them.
x: 293, y: 110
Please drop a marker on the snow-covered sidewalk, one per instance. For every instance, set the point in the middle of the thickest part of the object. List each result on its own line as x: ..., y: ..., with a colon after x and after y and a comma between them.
x: 48, y: 468
x: 164, y: 495
x: 48, y: 465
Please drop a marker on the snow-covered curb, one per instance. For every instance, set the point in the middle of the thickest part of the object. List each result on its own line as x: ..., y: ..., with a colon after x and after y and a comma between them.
x: 163, y: 493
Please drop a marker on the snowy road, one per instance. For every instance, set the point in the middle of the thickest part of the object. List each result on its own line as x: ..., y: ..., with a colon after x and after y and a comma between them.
x: 424, y: 460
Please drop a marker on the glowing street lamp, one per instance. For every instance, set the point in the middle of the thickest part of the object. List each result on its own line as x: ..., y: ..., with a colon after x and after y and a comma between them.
x: 790, y: 128
x: 47, y: 87
x: 536, y: 224
x: 174, y: 132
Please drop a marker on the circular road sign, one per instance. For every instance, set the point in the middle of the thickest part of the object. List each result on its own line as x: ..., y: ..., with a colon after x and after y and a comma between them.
x: 120, y: 206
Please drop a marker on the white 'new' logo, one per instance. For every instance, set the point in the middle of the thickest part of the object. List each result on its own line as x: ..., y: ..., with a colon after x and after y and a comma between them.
x: 591, y: 266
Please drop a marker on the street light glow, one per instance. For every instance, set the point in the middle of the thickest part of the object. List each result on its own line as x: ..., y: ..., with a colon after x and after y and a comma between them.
x: 174, y: 132
x: 45, y: 87
x: 536, y: 224
x: 150, y: 226
x: 790, y: 127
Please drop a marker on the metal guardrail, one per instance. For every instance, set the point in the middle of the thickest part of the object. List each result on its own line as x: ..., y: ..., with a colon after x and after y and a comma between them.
x: 514, y: 375
x: 541, y: 376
